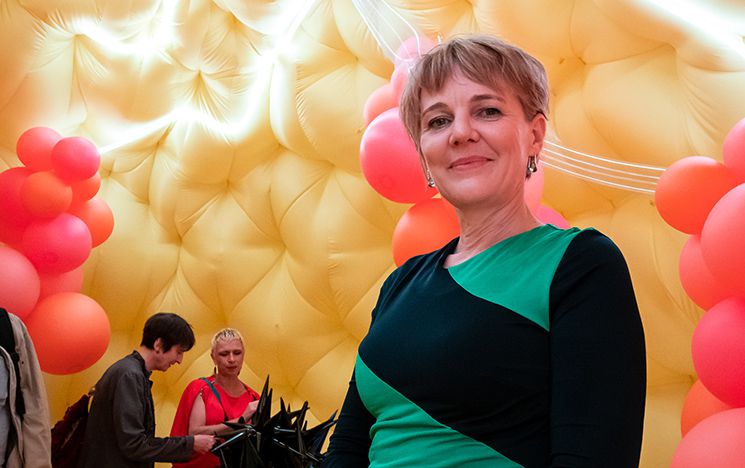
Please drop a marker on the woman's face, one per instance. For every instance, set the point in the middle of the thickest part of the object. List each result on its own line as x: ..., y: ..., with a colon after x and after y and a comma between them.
x: 228, y: 357
x: 476, y: 142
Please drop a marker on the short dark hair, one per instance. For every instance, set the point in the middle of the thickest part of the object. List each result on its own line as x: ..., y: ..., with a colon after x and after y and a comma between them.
x: 172, y: 330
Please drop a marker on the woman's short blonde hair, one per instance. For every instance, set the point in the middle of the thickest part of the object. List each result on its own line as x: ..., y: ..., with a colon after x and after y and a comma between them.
x: 226, y: 334
x: 483, y: 59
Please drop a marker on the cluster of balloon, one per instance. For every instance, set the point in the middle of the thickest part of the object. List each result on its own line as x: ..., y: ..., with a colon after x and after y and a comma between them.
x: 390, y: 164
x: 702, y: 197
x: 50, y: 219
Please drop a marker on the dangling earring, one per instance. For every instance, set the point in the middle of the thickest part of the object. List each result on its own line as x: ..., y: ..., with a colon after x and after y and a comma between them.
x: 214, y: 370
x: 532, y: 166
x: 430, y: 180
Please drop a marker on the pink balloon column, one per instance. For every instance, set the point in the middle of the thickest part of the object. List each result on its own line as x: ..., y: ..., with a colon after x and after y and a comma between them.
x: 50, y: 219
x: 702, y: 197
x: 391, y: 165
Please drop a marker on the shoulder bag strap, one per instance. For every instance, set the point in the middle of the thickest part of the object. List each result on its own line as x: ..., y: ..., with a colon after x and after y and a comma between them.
x: 217, y: 395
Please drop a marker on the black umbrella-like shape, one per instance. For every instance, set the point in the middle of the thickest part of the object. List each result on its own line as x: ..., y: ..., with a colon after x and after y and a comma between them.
x: 282, y: 440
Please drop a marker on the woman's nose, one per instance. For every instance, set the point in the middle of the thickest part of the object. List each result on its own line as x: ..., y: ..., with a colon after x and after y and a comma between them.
x: 462, y: 131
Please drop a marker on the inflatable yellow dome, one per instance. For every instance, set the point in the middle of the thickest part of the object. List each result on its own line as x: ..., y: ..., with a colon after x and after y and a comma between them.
x: 229, y: 133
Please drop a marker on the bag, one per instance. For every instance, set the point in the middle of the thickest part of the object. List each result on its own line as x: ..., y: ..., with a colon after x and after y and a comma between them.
x: 68, y: 434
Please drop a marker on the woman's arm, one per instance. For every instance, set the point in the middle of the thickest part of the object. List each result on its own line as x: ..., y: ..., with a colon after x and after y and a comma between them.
x: 198, y: 418
x: 597, y: 357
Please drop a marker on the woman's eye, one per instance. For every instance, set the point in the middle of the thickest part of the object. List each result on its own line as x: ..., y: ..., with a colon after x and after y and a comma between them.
x: 490, y: 112
x: 437, y: 122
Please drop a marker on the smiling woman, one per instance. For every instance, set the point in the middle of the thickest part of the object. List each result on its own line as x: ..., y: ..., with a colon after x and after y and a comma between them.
x: 532, y: 316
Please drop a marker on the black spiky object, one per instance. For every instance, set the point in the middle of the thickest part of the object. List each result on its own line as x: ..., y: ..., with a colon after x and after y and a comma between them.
x: 279, y: 441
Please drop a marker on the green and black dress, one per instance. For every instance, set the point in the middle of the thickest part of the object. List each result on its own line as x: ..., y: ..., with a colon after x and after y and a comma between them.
x: 530, y: 354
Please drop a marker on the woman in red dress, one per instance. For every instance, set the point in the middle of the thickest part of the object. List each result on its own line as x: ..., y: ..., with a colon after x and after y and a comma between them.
x: 209, y: 401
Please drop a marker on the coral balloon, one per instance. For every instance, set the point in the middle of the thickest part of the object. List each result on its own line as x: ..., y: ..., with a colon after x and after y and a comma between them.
x: 57, y: 245
x: 733, y: 150
x: 378, y: 102
x: 716, y: 442
x: 70, y: 332
x: 424, y: 227
x: 75, y: 159
x: 533, y: 191
x: 696, y: 278
x: 699, y: 405
x: 14, y: 217
x: 97, y: 216
x: 718, y: 350
x: 86, y: 189
x: 19, y: 282
x: 45, y: 195
x: 34, y: 148
x: 548, y: 215
x: 722, y: 238
x: 54, y: 283
x: 689, y: 189
x: 390, y: 161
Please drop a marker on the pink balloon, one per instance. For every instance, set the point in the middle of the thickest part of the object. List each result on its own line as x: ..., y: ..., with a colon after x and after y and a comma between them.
x: 14, y: 217
x: 411, y: 49
x: 399, y: 77
x: 390, y: 161
x: 548, y: 215
x: 533, y: 191
x: 54, y: 283
x: 718, y: 350
x: 722, y: 238
x: 733, y: 150
x: 57, y: 245
x: 716, y: 442
x: 34, y: 148
x: 19, y: 282
x: 689, y: 189
x: 697, y: 280
x: 70, y: 332
x: 75, y: 159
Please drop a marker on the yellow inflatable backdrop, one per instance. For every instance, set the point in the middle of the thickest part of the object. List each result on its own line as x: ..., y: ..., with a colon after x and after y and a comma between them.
x: 230, y: 132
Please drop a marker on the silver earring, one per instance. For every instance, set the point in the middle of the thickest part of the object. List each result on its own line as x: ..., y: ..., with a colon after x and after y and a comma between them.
x: 532, y: 166
x: 430, y: 180
x: 214, y: 370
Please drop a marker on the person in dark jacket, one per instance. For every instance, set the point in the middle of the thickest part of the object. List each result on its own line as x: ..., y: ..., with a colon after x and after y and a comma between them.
x: 120, y: 432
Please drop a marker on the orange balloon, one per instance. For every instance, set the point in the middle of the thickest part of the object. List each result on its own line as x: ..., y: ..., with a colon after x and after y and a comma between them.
x: 689, y: 189
x: 86, y: 188
x: 45, y: 195
x: 378, y: 102
x: 424, y: 227
x: 54, y: 283
x: 70, y: 332
x: 699, y: 405
x: 97, y: 215
x: 698, y: 282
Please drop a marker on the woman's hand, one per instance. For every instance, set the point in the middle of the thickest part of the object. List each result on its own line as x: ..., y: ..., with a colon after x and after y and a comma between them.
x: 250, y: 410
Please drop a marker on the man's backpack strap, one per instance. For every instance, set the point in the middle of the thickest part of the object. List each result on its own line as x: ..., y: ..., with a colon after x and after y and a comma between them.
x: 8, y: 342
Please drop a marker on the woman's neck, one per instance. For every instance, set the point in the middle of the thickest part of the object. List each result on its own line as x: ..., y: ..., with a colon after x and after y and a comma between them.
x: 482, y: 228
x: 230, y: 383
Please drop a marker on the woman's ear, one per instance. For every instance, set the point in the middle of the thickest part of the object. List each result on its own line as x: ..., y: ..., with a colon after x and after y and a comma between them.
x: 538, y: 133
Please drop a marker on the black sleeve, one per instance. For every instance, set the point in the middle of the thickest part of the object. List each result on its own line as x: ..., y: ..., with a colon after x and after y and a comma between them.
x: 132, y: 437
x: 597, y: 357
x: 350, y: 442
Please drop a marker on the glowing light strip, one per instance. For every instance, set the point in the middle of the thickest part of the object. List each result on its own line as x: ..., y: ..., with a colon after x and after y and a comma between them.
x: 605, y: 160
x: 599, y: 181
x: 605, y: 177
x: 368, y: 10
x: 604, y: 170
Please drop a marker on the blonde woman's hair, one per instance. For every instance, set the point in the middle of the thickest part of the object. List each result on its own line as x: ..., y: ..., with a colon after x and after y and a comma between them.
x: 226, y: 334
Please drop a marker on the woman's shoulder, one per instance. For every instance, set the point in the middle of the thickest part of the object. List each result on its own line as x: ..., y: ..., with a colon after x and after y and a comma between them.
x: 198, y: 384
